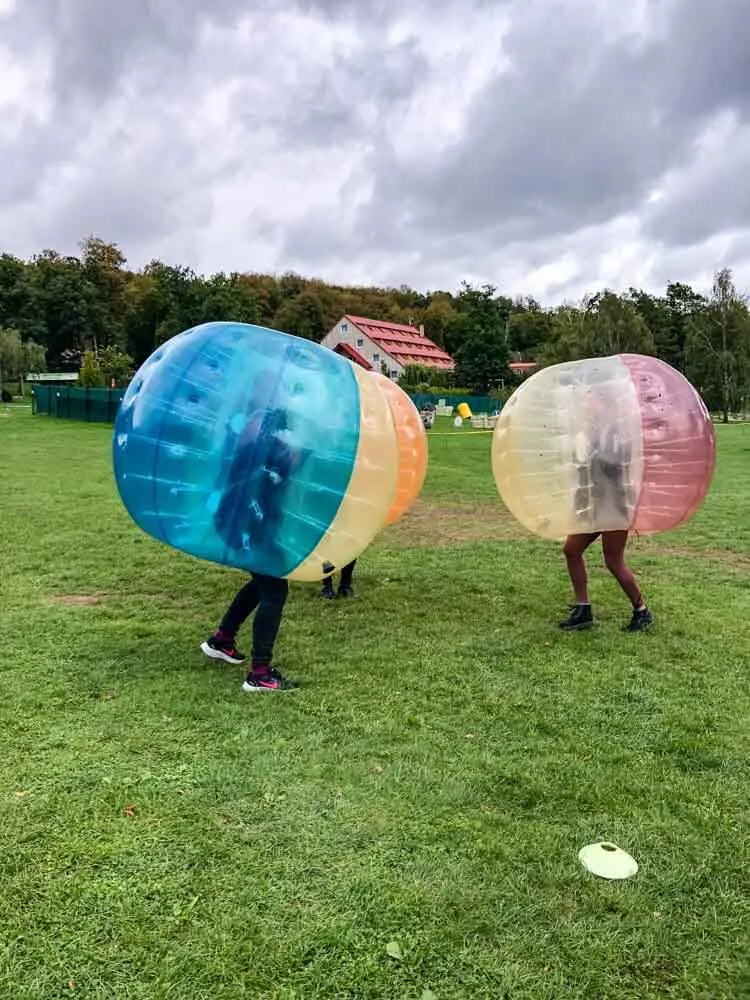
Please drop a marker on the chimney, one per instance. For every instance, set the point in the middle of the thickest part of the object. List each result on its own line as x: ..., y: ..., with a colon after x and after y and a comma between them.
x: 421, y: 329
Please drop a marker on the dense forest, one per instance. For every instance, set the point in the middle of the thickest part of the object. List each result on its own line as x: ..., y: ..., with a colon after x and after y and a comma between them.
x: 91, y: 313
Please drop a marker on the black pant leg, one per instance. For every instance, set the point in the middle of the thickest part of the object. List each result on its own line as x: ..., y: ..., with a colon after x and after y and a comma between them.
x: 346, y: 574
x: 273, y: 594
x: 241, y: 608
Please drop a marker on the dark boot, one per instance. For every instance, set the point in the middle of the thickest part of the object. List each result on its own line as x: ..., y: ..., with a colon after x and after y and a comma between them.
x: 640, y: 621
x: 580, y: 617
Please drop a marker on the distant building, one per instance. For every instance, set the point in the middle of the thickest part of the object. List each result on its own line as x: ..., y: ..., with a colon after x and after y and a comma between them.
x: 378, y: 345
x: 523, y: 367
x: 42, y: 378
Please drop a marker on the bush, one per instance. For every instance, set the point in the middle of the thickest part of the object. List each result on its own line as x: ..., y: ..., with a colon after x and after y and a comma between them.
x: 449, y: 394
x: 7, y: 396
x: 111, y: 368
x: 414, y: 376
x: 116, y: 367
x: 91, y: 374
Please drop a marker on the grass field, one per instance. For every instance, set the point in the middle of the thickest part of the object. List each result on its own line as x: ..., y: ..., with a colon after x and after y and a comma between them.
x: 406, y: 825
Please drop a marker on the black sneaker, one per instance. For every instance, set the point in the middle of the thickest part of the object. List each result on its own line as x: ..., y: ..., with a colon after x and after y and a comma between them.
x: 580, y: 617
x: 220, y: 649
x: 345, y: 591
x: 272, y: 681
x: 640, y: 621
x: 327, y: 589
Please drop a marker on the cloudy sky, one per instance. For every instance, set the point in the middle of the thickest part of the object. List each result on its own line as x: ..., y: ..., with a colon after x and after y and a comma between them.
x: 547, y: 147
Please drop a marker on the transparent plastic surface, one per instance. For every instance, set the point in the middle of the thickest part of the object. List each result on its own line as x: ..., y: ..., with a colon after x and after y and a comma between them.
x: 679, y: 446
x: 618, y: 443
x: 365, y: 505
x: 412, y: 447
x: 242, y: 445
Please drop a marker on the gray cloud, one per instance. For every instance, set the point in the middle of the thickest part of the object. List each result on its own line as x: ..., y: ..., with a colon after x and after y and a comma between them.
x: 337, y: 100
x: 578, y: 131
x: 706, y: 57
x: 710, y: 196
x: 518, y: 141
x: 94, y: 44
x: 574, y: 133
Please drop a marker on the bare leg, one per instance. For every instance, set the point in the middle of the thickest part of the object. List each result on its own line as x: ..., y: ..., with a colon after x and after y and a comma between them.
x: 613, y: 546
x: 575, y: 546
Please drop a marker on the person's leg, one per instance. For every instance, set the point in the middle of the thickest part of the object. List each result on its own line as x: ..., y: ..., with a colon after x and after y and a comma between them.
x: 221, y: 645
x: 583, y: 493
x: 262, y: 676
x: 345, y: 585
x: 326, y: 589
x: 243, y: 605
x: 613, y: 546
x: 267, y: 621
x: 573, y: 550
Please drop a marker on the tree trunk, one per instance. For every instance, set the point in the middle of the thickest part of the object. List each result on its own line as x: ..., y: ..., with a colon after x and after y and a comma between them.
x: 726, y: 390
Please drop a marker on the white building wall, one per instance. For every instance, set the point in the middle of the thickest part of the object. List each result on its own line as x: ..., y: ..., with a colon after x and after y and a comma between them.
x: 345, y: 332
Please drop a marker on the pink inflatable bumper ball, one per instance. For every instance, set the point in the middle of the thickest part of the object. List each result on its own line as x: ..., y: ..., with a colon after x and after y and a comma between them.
x: 604, y: 444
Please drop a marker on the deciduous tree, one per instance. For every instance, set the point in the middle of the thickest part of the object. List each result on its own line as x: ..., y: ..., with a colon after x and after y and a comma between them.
x: 717, y: 347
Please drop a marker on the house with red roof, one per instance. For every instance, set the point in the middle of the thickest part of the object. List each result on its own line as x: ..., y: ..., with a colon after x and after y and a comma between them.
x: 523, y: 368
x: 379, y: 345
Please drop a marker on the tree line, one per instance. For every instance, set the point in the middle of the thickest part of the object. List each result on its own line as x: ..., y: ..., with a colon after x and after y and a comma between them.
x: 93, y: 314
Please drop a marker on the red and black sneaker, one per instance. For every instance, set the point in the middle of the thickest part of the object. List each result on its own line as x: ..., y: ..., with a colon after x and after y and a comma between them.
x: 219, y: 648
x: 268, y: 680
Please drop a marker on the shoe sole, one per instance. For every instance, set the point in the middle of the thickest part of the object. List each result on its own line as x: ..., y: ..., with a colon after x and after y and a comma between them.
x: 217, y: 654
x: 251, y: 688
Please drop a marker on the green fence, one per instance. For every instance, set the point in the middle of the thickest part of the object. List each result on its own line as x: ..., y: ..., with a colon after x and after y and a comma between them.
x: 477, y: 404
x: 96, y: 405
x: 100, y: 405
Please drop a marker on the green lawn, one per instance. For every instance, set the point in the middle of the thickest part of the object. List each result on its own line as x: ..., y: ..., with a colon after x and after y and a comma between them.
x: 424, y: 793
